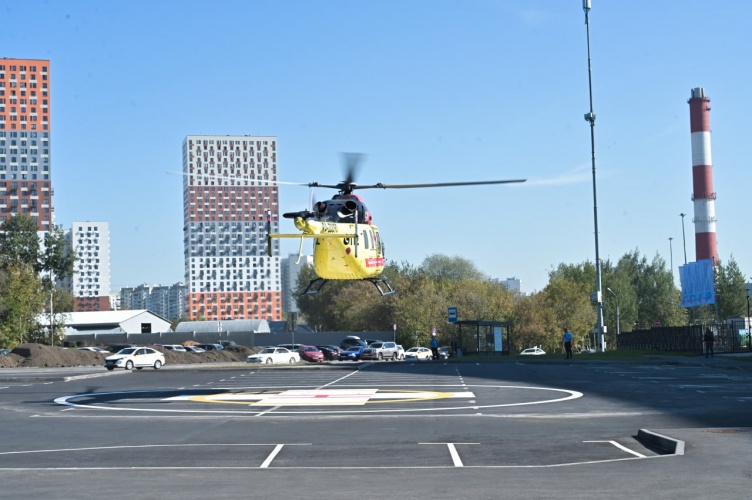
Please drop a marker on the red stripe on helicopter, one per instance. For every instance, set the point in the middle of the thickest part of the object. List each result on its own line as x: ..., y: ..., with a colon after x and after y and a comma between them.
x: 377, y: 262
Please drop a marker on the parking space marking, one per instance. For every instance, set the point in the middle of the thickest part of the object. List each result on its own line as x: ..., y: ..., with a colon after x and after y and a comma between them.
x: 621, y: 447
x: 271, y: 456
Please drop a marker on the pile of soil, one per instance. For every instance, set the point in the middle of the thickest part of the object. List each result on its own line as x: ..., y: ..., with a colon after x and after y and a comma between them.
x: 44, y: 356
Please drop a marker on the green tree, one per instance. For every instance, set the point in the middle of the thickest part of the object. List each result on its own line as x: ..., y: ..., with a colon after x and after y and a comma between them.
x: 22, y: 298
x: 531, y: 319
x: 442, y: 267
x: 570, y: 307
x: 19, y: 242
x: 731, y: 290
x: 657, y: 298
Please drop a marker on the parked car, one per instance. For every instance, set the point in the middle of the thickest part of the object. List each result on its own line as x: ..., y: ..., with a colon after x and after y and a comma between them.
x: 291, y: 347
x: 533, y: 351
x: 331, y: 352
x: 381, y: 350
x: 419, y: 353
x: 4, y: 352
x: 174, y: 347
x: 227, y: 343
x: 350, y: 341
x: 352, y: 353
x: 193, y: 349
x: 210, y: 347
x: 271, y: 355
x: 119, y: 347
x: 135, y: 357
x: 311, y: 353
x: 445, y: 352
x: 94, y: 349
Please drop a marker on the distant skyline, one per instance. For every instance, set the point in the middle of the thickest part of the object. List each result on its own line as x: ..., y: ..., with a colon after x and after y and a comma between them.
x: 430, y: 91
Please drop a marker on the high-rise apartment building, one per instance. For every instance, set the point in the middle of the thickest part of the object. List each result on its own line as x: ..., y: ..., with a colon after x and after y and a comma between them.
x: 291, y: 267
x: 90, y: 283
x: 226, y: 195
x: 165, y: 301
x: 25, y: 160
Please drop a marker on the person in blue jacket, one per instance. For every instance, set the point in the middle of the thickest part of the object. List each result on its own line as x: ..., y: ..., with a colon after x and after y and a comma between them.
x: 568, y: 343
x: 434, y: 345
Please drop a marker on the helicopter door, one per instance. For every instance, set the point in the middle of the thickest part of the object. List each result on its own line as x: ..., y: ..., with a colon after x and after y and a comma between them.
x: 379, y: 243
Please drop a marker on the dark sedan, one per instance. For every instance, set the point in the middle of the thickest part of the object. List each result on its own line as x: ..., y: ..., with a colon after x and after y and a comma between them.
x: 331, y: 352
x: 351, y: 354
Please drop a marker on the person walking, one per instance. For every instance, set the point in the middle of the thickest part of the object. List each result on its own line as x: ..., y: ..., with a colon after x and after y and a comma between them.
x: 568, y: 343
x: 434, y: 346
x: 709, y: 338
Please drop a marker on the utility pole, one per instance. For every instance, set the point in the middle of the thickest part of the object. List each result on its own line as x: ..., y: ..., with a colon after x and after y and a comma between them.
x: 590, y: 118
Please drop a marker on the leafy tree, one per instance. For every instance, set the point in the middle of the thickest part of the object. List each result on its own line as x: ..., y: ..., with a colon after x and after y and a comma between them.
x: 22, y: 298
x: 731, y: 290
x: 531, y: 319
x: 442, y: 267
x: 570, y: 307
x: 19, y: 242
x: 658, y: 299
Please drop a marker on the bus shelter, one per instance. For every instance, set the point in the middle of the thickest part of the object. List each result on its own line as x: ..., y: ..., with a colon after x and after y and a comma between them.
x: 482, y: 337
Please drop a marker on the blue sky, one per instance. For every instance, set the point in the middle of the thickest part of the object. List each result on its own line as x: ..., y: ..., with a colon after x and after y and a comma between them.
x: 430, y: 91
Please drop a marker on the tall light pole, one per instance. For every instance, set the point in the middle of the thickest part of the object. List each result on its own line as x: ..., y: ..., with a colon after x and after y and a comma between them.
x: 590, y: 118
x: 671, y: 253
x: 684, y: 239
x: 618, y: 329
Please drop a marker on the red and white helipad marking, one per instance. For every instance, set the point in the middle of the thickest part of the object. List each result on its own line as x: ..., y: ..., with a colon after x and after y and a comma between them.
x: 321, y: 397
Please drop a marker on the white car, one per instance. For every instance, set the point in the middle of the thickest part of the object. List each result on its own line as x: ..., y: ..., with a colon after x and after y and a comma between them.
x: 135, y: 357
x: 174, y: 347
x: 533, y: 351
x: 419, y: 353
x: 271, y: 355
x: 95, y: 349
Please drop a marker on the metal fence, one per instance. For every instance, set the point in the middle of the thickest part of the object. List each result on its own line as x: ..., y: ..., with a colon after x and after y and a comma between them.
x: 728, y: 338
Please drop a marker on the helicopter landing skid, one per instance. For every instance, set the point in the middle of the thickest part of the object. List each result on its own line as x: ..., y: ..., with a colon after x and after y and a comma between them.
x: 381, y: 284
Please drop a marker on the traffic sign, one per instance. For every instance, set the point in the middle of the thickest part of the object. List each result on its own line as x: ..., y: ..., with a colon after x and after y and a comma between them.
x: 452, y: 315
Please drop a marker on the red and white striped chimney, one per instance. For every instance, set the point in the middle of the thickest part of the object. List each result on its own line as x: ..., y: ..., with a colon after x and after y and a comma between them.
x: 703, y: 195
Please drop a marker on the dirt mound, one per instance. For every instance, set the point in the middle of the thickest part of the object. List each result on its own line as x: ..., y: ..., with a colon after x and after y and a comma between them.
x: 42, y: 356
x: 227, y: 355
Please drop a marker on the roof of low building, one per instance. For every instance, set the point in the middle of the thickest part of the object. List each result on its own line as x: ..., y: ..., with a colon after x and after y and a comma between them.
x: 230, y: 325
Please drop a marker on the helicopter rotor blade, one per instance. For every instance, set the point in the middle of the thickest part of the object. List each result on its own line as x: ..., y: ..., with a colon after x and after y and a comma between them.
x: 437, y: 184
x: 239, y: 178
x: 352, y: 165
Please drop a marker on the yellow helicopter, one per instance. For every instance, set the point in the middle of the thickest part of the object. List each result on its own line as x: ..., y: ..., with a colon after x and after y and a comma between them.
x: 348, y: 246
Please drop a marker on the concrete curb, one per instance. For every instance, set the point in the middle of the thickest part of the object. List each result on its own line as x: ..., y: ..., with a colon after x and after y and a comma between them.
x: 671, y: 445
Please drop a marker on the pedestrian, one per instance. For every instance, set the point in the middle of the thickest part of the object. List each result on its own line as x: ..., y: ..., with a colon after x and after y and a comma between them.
x: 709, y: 339
x: 434, y: 346
x: 568, y: 343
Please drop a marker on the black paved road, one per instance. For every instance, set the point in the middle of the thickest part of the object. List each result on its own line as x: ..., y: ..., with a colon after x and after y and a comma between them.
x: 491, y: 430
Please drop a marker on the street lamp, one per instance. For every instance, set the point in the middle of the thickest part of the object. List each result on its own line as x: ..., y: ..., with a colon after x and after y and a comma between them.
x: 671, y: 252
x: 590, y: 118
x: 618, y: 330
x: 684, y: 239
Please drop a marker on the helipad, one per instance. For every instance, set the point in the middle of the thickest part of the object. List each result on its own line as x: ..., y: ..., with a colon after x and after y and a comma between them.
x: 330, y: 397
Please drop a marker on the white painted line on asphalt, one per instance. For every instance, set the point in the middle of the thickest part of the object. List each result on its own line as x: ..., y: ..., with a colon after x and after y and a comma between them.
x: 271, y: 456
x: 456, y: 460
x: 567, y: 395
x: 621, y: 447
